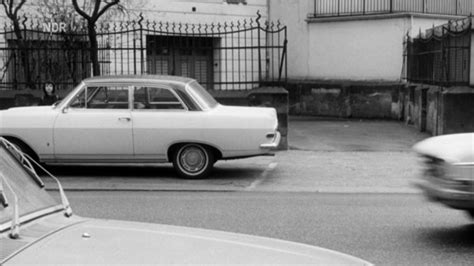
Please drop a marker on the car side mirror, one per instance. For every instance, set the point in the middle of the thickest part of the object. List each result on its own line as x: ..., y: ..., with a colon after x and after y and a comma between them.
x: 65, y: 110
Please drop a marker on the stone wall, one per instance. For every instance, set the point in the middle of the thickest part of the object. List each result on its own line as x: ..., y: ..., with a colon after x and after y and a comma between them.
x: 445, y: 111
x: 457, y: 111
x: 345, y: 99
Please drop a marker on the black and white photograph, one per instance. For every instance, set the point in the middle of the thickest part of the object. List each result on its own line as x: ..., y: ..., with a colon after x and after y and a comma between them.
x: 254, y: 132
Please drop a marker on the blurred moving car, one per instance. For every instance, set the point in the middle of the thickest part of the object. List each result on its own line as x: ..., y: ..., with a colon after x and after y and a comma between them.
x: 36, y: 229
x: 141, y: 119
x: 449, y: 170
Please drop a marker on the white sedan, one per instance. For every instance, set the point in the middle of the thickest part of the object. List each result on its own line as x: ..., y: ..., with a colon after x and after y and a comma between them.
x: 449, y: 170
x: 141, y: 119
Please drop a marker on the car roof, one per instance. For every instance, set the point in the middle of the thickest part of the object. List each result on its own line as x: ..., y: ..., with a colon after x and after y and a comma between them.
x: 139, y: 79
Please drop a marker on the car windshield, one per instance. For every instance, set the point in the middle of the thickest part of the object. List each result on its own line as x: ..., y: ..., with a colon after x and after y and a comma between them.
x: 70, y: 95
x: 204, y: 96
x: 15, y: 180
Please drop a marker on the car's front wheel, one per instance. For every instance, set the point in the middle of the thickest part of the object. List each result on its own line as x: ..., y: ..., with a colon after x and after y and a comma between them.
x: 193, y: 160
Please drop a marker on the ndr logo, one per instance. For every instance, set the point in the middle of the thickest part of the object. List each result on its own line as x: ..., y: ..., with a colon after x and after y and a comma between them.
x: 54, y: 27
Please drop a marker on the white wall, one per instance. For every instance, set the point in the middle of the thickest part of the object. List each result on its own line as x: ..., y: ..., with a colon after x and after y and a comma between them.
x: 207, y: 11
x: 362, y: 48
x: 292, y: 13
x: 357, y: 50
x: 176, y: 10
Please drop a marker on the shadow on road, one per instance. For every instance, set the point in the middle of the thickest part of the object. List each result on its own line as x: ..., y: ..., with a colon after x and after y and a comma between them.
x: 450, y: 237
x: 151, y: 172
x: 112, y: 171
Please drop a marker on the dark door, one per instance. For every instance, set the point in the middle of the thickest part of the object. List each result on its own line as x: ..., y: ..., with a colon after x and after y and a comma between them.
x: 181, y: 56
x: 424, y: 109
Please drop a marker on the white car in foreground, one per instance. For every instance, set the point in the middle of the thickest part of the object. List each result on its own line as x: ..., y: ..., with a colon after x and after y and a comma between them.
x: 37, y: 229
x: 449, y: 170
x: 141, y: 119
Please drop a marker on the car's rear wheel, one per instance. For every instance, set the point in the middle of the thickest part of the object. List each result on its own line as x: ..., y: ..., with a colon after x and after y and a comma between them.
x: 193, y: 160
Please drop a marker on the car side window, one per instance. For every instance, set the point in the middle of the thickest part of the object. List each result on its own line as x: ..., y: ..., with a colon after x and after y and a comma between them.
x: 102, y: 97
x: 156, y: 98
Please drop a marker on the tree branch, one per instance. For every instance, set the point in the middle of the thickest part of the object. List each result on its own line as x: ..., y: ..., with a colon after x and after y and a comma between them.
x: 8, y: 9
x: 11, y: 6
x: 18, y: 7
x: 80, y: 11
x: 95, y: 11
x: 109, y: 5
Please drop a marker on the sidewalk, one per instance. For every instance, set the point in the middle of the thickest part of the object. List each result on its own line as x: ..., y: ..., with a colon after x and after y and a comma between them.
x: 358, y: 156
x: 325, y: 134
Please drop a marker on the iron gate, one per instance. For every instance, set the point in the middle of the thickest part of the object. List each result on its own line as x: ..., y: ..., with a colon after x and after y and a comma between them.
x: 235, y: 55
x: 442, y: 55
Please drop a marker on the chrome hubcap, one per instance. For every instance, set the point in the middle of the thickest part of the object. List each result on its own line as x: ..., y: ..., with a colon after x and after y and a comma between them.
x: 193, y: 159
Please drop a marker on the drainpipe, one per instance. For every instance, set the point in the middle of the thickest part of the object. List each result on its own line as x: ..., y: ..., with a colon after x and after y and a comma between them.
x: 268, y: 11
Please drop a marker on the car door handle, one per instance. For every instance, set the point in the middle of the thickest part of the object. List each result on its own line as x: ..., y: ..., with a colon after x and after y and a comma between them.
x: 127, y: 119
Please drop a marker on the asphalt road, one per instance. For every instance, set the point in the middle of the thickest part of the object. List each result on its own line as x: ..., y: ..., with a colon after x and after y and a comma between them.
x: 297, y: 171
x: 344, y: 185
x: 386, y: 229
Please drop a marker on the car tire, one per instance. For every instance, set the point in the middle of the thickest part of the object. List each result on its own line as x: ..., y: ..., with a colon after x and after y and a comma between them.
x: 193, y: 161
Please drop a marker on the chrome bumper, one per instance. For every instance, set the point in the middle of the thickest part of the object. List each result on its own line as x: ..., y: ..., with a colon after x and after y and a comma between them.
x: 453, y: 198
x: 274, y: 144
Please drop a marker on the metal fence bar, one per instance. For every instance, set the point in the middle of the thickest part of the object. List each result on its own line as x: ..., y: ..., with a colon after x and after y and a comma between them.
x: 442, y: 55
x: 331, y: 8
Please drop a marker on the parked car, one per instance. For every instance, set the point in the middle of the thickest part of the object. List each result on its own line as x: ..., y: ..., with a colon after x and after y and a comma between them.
x: 36, y: 229
x: 141, y: 119
x: 448, y: 176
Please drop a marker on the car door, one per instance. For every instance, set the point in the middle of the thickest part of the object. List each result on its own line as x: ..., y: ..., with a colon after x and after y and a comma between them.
x: 160, y: 119
x: 96, y: 126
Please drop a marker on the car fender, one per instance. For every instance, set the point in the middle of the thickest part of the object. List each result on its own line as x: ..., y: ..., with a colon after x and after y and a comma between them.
x: 31, y: 125
x: 183, y: 141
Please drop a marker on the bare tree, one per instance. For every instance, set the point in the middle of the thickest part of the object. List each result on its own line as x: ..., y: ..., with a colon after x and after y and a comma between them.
x: 67, y: 64
x: 61, y: 11
x: 97, y: 10
x: 12, y: 8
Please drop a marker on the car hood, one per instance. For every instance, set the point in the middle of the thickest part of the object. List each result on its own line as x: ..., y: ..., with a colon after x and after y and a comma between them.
x: 111, y: 242
x: 28, y: 109
x: 453, y: 148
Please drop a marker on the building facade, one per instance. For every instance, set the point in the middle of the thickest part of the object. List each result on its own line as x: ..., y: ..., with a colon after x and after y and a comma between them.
x: 349, y: 57
x: 356, y: 39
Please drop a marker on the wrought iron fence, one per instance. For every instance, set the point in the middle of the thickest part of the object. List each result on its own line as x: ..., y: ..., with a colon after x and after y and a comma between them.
x: 234, y: 55
x: 441, y: 56
x: 330, y: 8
